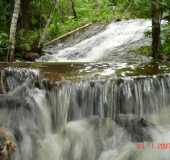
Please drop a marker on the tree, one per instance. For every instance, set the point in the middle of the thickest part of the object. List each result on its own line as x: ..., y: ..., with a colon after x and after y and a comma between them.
x: 45, y: 31
x: 156, y: 42
x: 13, y: 28
x: 73, y: 9
x: 25, y: 18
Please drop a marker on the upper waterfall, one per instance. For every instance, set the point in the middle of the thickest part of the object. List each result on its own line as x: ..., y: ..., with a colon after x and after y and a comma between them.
x: 111, y: 44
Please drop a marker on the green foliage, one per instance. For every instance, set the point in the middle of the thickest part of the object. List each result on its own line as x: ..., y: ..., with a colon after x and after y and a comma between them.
x: 165, y: 40
x: 3, y: 45
x: 3, y: 40
x: 4, y: 14
x: 165, y: 36
x: 165, y: 7
x: 26, y: 39
x: 145, y: 50
x: 93, y: 10
x: 133, y: 8
x: 87, y: 11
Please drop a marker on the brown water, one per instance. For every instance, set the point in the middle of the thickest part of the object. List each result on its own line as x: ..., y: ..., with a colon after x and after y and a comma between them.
x: 80, y: 71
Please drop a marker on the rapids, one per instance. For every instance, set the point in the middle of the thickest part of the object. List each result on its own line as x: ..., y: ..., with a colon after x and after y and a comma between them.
x: 111, y: 44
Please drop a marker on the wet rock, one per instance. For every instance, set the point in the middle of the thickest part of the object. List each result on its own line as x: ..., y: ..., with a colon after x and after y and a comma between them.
x: 7, y: 145
x: 117, y: 20
x: 138, y: 128
x: 164, y: 57
x: 19, y: 114
x: 92, y: 84
x: 31, y: 56
x: 12, y: 78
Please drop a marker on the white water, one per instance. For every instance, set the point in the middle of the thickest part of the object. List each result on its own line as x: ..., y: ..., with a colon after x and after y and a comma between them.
x: 111, y: 44
x: 88, y: 120
x: 101, y: 139
x: 76, y: 121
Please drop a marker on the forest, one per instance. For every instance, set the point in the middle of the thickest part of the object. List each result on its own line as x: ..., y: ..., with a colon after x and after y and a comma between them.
x: 35, y: 22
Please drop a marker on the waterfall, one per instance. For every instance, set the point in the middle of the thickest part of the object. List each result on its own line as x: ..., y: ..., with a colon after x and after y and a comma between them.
x: 120, y: 118
x: 112, y: 44
x: 87, y: 119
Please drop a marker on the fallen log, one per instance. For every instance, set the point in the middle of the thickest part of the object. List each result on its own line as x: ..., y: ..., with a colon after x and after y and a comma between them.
x: 67, y: 34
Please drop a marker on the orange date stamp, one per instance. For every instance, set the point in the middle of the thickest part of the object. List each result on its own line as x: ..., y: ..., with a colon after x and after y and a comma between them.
x: 157, y: 146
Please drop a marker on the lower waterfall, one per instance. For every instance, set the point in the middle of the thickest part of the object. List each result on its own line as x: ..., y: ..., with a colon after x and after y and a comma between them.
x: 87, y: 120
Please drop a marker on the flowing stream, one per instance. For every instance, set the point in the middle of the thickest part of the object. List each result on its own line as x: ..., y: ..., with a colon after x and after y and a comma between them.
x: 115, y: 118
x: 112, y: 44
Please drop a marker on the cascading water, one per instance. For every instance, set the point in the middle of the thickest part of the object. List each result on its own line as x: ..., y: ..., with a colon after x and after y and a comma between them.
x: 111, y: 44
x: 101, y: 119
x: 87, y: 120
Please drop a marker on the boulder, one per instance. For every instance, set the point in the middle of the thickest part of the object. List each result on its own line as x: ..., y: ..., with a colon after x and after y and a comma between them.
x: 138, y: 128
x: 31, y: 56
x: 7, y: 146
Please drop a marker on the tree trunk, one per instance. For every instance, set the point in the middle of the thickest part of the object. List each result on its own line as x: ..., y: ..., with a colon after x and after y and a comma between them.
x: 156, y: 42
x: 44, y: 35
x: 97, y: 4
x: 73, y: 9
x: 13, y: 28
x: 25, y: 18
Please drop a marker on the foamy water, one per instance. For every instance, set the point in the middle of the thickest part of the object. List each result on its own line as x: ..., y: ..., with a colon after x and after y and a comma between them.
x: 114, y: 41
